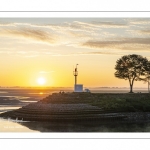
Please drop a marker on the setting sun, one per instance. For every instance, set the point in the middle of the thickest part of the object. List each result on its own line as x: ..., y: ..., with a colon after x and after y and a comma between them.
x: 41, y: 81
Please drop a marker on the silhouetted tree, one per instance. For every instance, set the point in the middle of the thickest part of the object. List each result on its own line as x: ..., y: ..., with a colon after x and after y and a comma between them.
x: 131, y: 67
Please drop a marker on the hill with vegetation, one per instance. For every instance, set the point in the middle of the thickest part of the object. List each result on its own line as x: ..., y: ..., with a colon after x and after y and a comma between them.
x: 85, y: 106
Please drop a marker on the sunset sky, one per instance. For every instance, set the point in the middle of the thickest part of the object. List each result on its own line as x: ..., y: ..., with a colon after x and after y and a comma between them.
x: 49, y: 48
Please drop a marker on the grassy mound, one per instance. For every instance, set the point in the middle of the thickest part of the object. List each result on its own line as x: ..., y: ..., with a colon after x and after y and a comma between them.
x: 85, y: 106
x: 108, y: 102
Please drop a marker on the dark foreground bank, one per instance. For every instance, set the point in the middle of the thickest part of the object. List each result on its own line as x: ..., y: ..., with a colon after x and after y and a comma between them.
x: 83, y: 107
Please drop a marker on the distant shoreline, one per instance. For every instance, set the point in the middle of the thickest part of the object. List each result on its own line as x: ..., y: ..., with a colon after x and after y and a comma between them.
x: 42, y: 87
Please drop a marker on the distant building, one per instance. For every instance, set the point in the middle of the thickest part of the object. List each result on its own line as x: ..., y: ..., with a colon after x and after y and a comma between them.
x: 78, y: 88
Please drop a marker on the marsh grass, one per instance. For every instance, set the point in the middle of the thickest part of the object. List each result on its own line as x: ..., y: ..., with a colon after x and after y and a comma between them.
x: 108, y: 102
x: 123, y: 102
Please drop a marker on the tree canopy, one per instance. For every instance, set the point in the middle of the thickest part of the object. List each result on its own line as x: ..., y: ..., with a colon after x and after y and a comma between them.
x: 146, y: 79
x: 132, y: 67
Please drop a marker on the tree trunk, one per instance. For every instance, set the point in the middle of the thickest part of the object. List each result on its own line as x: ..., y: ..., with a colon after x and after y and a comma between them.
x: 131, y: 87
x: 148, y: 87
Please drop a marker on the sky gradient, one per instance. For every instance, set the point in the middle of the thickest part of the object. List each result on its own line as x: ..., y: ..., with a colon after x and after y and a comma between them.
x: 31, y: 48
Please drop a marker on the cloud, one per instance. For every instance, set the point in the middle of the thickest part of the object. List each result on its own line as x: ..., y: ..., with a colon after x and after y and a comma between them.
x: 81, y: 34
x: 142, y: 21
x: 122, y: 44
x: 145, y: 31
x: 90, y: 27
x: 75, y: 26
x: 96, y: 24
x: 37, y: 35
x: 142, y: 33
x: 99, y: 53
x: 66, y: 33
x: 5, y: 24
x: 78, y: 34
x: 72, y: 26
x: 108, y: 24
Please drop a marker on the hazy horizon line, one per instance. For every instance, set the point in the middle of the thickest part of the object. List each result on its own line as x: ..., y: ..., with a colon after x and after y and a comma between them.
x: 1, y: 87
